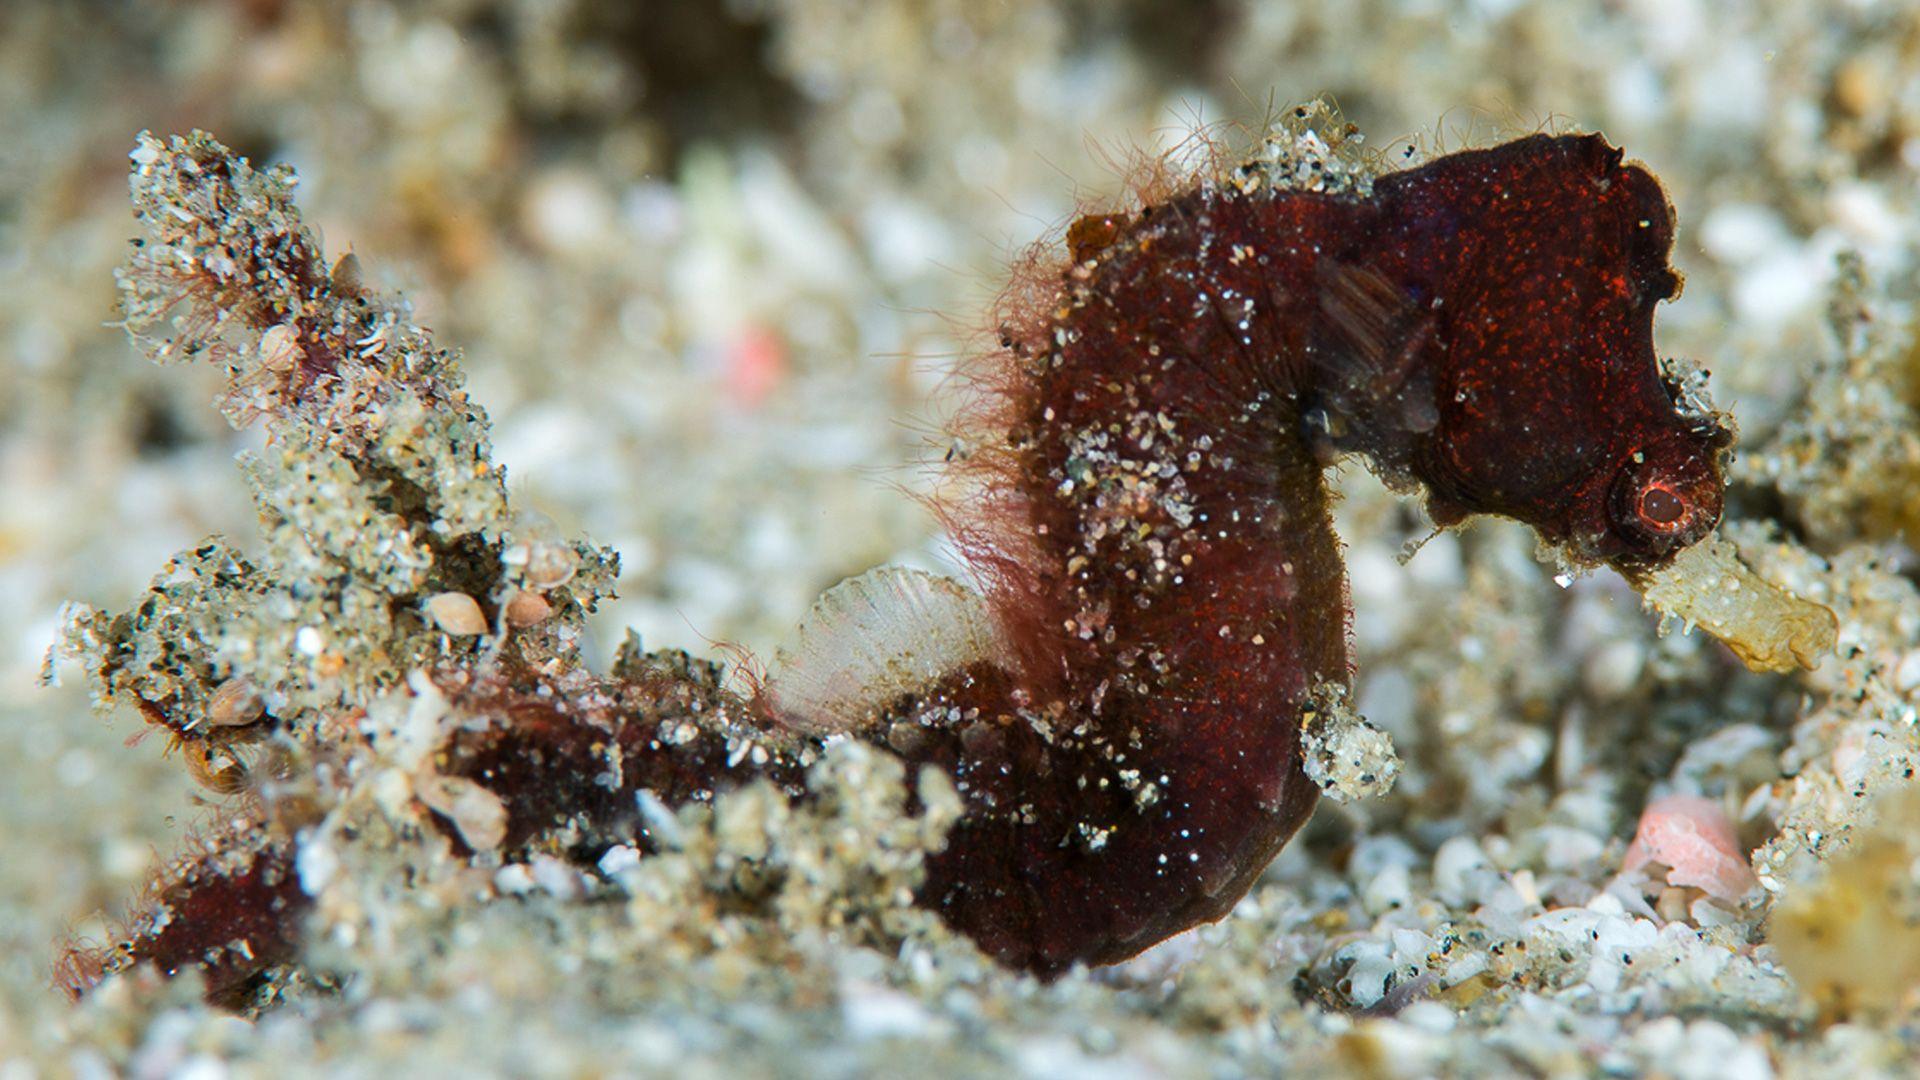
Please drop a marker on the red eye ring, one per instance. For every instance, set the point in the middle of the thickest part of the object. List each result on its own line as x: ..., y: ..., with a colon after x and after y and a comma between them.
x: 1665, y: 497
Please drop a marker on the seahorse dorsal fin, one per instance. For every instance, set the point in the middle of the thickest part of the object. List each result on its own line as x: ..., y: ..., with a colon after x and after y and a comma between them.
x: 890, y: 631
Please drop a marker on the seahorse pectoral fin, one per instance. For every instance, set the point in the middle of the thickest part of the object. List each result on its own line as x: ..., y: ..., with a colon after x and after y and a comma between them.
x: 1708, y: 585
x: 872, y: 638
x: 1373, y: 337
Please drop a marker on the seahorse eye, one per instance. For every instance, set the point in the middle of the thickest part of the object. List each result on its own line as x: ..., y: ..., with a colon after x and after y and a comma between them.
x: 1661, y: 507
x: 1666, y: 497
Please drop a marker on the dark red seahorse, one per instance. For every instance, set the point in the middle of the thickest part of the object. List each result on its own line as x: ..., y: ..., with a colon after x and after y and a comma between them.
x: 1162, y: 593
x: 1153, y: 528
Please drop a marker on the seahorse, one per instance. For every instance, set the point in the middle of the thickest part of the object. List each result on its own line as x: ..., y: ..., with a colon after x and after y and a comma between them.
x: 1158, y: 601
x: 1164, y: 596
x: 1165, y: 599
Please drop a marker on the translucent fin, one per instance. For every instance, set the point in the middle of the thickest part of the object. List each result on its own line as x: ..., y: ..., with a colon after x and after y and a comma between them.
x: 1767, y: 627
x: 872, y: 638
x: 1378, y: 333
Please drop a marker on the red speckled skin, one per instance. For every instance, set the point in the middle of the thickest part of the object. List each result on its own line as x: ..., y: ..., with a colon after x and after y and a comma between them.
x: 1481, y: 325
x: 1540, y: 262
x: 232, y: 910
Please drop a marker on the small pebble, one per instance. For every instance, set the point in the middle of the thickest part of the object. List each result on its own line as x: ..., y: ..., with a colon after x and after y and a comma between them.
x: 478, y: 813
x: 1429, y: 1016
x: 514, y: 879
x: 1389, y: 889
x: 1462, y: 873
x: 457, y: 614
x: 1614, y: 669
x: 619, y: 858
x: 527, y: 609
x: 562, y: 882
x: 235, y: 703
x: 280, y: 348
x: 310, y: 641
x: 1906, y: 677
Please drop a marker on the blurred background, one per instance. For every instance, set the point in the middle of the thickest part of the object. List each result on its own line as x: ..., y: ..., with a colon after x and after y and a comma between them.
x: 709, y: 263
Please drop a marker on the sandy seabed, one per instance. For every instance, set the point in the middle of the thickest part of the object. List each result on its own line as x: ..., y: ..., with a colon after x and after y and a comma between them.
x: 708, y: 265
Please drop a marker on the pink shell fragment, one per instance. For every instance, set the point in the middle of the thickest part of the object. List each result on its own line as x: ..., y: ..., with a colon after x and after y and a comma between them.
x: 1692, y: 837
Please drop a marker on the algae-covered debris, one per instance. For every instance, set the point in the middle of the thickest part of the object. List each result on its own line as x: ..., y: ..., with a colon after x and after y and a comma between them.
x: 1846, y: 460
x: 376, y: 497
x: 1343, y: 754
x: 1312, y: 148
x: 376, y: 492
x: 1850, y: 935
x: 1767, y: 627
x: 392, y: 688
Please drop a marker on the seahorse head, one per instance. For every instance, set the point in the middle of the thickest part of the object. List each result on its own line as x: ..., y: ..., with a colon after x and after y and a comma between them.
x: 1546, y: 259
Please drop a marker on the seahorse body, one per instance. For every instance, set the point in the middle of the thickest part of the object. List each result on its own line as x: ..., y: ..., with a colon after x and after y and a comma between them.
x: 1153, y: 522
